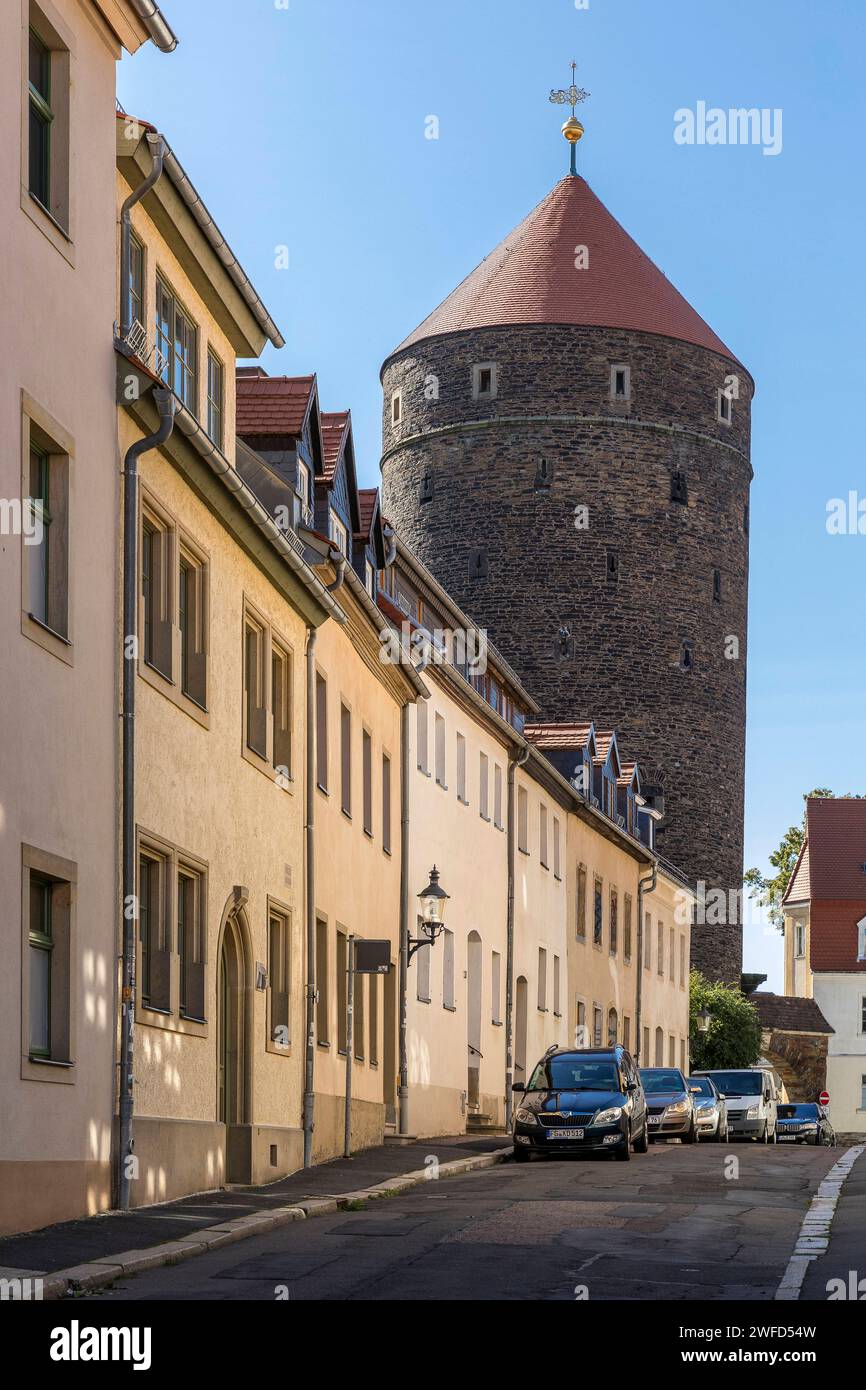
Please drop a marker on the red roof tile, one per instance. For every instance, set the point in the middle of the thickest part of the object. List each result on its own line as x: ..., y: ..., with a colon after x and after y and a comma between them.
x: 272, y: 404
x: 836, y: 833
x: 335, y: 428
x: 531, y: 278
x: 557, y: 735
x: 788, y: 1013
x: 833, y: 935
x: 368, y: 497
x: 799, y: 885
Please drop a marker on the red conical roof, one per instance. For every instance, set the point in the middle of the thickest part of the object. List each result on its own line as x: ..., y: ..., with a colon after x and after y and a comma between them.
x: 531, y: 278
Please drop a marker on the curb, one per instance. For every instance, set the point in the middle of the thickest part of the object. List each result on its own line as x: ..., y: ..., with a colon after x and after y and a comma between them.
x: 85, y: 1278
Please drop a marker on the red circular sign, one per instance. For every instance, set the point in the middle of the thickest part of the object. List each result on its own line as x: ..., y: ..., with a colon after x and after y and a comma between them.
x: 824, y: 1098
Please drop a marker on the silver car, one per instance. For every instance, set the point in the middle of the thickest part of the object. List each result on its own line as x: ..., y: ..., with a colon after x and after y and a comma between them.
x: 711, y: 1111
x: 669, y: 1104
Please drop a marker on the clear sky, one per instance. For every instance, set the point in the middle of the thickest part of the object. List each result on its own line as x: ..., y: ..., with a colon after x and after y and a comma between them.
x: 302, y: 124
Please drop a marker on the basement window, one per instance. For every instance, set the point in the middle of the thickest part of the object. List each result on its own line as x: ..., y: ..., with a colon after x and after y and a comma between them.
x: 620, y: 382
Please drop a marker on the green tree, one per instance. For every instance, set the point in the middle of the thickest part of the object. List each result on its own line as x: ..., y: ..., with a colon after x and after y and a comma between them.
x: 734, y: 1036
x: 769, y: 890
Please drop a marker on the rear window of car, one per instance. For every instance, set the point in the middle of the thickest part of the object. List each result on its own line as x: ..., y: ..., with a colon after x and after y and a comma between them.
x: 798, y: 1112
x: 656, y: 1081
x: 739, y: 1083
x: 576, y: 1074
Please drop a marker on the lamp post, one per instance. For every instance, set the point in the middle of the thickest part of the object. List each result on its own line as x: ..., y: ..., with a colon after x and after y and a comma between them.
x: 432, y: 913
x: 703, y: 1020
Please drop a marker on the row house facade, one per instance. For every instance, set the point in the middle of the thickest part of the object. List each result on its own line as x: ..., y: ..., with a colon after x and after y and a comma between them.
x: 824, y: 915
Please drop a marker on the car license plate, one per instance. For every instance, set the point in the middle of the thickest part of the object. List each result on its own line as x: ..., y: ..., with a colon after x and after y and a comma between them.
x: 565, y: 1134
x: 654, y: 1119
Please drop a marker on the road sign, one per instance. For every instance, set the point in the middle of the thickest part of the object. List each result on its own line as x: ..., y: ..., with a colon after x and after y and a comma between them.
x: 824, y: 1098
x: 372, y: 957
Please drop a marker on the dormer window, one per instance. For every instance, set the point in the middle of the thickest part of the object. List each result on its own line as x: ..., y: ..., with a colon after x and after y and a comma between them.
x: 339, y: 533
x: 620, y: 382
x: 484, y: 381
x: 303, y: 489
x: 397, y: 408
x: 799, y: 939
x: 725, y: 406
x: 861, y: 939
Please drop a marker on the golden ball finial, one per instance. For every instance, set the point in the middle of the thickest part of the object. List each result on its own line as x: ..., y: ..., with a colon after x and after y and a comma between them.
x: 572, y: 130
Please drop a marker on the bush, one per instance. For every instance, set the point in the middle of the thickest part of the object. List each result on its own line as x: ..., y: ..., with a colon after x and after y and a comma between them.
x: 734, y: 1037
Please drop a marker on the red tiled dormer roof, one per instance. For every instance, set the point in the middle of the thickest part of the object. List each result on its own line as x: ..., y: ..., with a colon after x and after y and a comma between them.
x: 836, y: 836
x: 368, y: 500
x: 272, y: 405
x: 627, y: 774
x: 799, y: 887
x: 530, y: 279
x: 557, y: 735
x: 335, y: 428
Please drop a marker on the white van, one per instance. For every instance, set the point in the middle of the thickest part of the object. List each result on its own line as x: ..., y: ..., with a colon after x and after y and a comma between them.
x: 751, y: 1096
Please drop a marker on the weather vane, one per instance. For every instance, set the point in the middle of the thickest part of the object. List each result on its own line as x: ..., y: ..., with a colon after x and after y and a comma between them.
x: 572, y: 128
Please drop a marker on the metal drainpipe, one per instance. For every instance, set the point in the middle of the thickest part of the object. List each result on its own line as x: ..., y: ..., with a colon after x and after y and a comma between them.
x: 164, y: 401
x: 135, y: 196
x: 643, y: 883
x: 403, y: 1085
x: 309, y: 845
x: 514, y: 762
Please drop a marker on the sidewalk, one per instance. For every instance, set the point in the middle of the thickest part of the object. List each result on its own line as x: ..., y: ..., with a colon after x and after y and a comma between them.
x: 73, y: 1244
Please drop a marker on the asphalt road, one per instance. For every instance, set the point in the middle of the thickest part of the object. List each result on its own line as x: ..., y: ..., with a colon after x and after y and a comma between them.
x: 702, y: 1223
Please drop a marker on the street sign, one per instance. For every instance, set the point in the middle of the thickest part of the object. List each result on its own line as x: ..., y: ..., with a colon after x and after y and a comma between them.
x: 372, y: 957
x: 824, y: 1098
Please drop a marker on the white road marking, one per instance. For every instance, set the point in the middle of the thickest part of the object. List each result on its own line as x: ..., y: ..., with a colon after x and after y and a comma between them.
x: 814, y: 1237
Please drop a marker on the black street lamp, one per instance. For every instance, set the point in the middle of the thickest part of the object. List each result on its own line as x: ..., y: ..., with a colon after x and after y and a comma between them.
x: 432, y: 914
x: 703, y: 1020
x: 433, y: 900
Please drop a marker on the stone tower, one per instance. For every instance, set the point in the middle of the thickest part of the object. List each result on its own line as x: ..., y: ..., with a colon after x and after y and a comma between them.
x: 566, y: 447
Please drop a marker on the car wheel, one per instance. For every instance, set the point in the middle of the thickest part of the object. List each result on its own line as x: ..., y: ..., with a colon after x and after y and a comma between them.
x: 775, y: 1134
x: 719, y: 1136
x: 642, y: 1144
x: 622, y: 1152
x: 521, y: 1155
x: 766, y: 1134
x: 692, y: 1136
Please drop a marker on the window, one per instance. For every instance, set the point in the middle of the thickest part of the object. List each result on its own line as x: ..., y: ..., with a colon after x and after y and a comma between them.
x: 45, y: 538
x: 799, y: 939
x: 386, y: 803
x: 279, y: 976
x: 861, y: 940
x: 683, y: 1055
x: 191, y: 610
x: 155, y: 618
x: 680, y: 487
x: 45, y: 163
x: 597, y: 1026
x: 255, y: 698
x: 682, y: 962
x: 48, y: 924
x: 863, y: 1092
x: 626, y: 927
x: 522, y: 820
x: 153, y: 925
x: 687, y: 656
x: 322, y: 982
x: 717, y: 586
x: 447, y: 969
x: 626, y: 1032
x: 281, y: 710
x: 672, y: 957
x: 342, y: 992
x: 439, y: 749
x: 423, y: 765
x: 724, y: 408
x: 367, y: 780
x: 373, y: 981
x: 339, y: 533
x: 660, y: 1048
x: 359, y: 1022
x: 483, y: 786
x: 321, y: 732
x: 135, y: 289
x: 580, y: 927
x: 461, y: 768
x: 496, y: 989
x: 396, y: 407
x: 581, y: 1037
x: 215, y: 399
x: 177, y: 347
x: 345, y: 760
x: 542, y: 835
x: 370, y: 579
x: 190, y: 942
x: 612, y: 567
x: 614, y: 922
x: 557, y: 866
x: 303, y: 487
x: 660, y: 952
x: 647, y: 941
x: 556, y: 987
x: 497, y: 796
x: 422, y: 961
x: 597, y: 914
x: 863, y: 1014
x: 620, y: 382
x: 484, y: 380
x: 672, y: 1051
x: 542, y: 979
x: 612, y: 1027
x: 41, y: 119
x: 645, y: 1048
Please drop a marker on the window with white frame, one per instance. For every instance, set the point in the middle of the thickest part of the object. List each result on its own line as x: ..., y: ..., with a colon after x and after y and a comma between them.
x: 497, y: 796
x: 542, y: 835
x: 557, y: 865
x: 799, y: 939
x: 556, y: 987
x: 483, y: 786
x: 861, y: 939
x: 461, y: 768
x: 542, y: 979
x: 522, y: 820
x: 396, y: 407
x: 421, y: 737
x: 496, y: 988
x: 339, y: 533
x: 439, y: 749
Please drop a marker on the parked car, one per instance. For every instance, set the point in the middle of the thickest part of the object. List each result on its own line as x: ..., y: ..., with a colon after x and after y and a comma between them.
x: 750, y: 1096
x: 581, y: 1100
x: 670, y: 1107
x: 711, y: 1110
x: 803, y: 1123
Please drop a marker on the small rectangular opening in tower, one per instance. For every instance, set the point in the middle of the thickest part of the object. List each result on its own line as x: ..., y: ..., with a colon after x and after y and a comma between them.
x: 612, y: 567
x: 679, y: 487
x: 620, y: 381
x: 717, y: 586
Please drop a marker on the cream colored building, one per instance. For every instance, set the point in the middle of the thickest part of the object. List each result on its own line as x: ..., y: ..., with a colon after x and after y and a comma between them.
x: 58, y: 758
x: 665, y: 975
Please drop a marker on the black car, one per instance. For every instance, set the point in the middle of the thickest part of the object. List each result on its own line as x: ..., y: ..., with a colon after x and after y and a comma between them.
x: 803, y: 1123
x: 581, y: 1100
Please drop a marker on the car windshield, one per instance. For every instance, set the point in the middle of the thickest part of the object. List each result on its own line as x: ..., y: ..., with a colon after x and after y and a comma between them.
x: 798, y: 1112
x: 739, y: 1083
x: 575, y: 1074
x: 702, y: 1085
x: 657, y: 1082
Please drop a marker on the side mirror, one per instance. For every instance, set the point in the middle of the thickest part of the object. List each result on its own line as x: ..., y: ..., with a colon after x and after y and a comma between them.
x: 766, y: 1095
x: 695, y: 1090
x: 518, y: 1086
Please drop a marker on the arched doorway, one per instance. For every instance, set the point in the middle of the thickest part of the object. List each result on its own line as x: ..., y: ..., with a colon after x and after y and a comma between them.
x: 234, y: 1032
x: 521, y: 1000
x: 473, y: 1020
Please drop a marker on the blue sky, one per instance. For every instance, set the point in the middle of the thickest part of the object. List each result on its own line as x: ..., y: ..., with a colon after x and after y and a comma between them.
x: 304, y: 126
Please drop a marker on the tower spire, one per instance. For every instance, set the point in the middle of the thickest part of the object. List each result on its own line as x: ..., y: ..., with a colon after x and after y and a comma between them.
x: 572, y: 129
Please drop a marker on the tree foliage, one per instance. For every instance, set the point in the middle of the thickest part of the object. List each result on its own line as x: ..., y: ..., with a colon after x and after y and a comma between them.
x: 734, y: 1037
